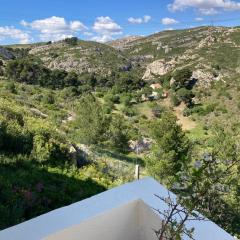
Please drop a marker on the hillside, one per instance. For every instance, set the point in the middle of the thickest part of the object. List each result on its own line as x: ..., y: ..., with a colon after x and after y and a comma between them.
x: 202, y: 47
x: 81, y: 113
x: 85, y: 56
x: 212, y: 53
x: 123, y: 43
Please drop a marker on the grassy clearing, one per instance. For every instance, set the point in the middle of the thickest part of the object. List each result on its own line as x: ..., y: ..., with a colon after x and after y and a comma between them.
x: 144, y: 109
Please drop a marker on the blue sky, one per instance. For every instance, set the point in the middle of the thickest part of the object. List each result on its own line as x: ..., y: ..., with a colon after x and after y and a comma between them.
x: 23, y: 21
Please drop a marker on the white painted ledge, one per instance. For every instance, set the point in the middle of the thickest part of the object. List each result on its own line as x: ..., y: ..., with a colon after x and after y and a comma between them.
x: 55, y: 221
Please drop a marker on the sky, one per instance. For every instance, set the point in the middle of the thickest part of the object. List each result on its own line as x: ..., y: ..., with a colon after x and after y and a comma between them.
x: 27, y: 21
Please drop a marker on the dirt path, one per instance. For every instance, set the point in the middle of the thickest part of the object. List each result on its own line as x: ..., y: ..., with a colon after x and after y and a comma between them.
x: 71, y: 117
x: 185, y: 122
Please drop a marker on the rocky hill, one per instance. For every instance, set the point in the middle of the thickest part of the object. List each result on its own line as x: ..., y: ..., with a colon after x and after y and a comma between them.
x: 211, y: 52
x: 124, y: 43
x: 85, y: 56
x: 5, y: 53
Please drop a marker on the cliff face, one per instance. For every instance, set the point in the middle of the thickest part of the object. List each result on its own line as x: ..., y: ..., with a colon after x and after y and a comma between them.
x: 158, y: 67
x: 5, y: 54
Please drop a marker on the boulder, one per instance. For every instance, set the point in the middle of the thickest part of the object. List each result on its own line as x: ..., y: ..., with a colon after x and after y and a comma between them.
x: 80, y: 154
x: 158, y: 67
x: 141, y: 145
x: 204, y: 78
x: 38, y: 113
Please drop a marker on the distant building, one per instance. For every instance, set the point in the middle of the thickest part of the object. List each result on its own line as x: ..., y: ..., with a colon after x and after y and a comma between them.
x: 155, y: 95
x: 155, y: 86
x: 122, y: 213
x: 165, y: 94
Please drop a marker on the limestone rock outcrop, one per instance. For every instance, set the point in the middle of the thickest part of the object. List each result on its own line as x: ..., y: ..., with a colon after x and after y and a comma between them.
x: 158, y: 67
x: 5, y: 53
x: 204, y: 78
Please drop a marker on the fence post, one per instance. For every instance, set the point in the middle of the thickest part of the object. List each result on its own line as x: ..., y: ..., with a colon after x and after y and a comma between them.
x: 137, y: 172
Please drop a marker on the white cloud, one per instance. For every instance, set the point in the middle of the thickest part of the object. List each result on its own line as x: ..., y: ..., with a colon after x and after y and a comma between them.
x: 55, y: 28
x: 15, y: 34
x: 198, y: 19
x: 24, y: 23
x: 144, y: 19
x: 209, y: 11
x: 77, y: 26
x: 106, y: 28
x: 135, y: 20
x: 205, y: 7
x: 169, y: 21
x: 102, y: 38
x: 87, y: 33
x: 105, y: 25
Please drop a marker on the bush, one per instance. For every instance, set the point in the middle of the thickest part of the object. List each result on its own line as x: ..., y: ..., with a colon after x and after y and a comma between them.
x: 107, y: 109
x: 182, y: 77
x: 47, y: 148
x: 48, y: 98
x: 32, y: 71
x: 128, y: 111
x: 32, y: 137
x: 10, y: 86
x: 71, y: 41
x: 118, y: 134
x: 109, y: 105
x: 99, y: 94
x: 165, y: 81
x: 187, y: 112
x: 112, y: 98
x: 175, y: 100
x: 185, y: 95
x: 126, y: 100
x: 91, y: 123
x: 204, y: 110
x: 158, y: 111
x: 14, y: 138
x: 70, y: 92
x: 29, y: 190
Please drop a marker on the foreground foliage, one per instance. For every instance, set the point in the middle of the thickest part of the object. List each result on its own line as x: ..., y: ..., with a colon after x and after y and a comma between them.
x: 28, y: 190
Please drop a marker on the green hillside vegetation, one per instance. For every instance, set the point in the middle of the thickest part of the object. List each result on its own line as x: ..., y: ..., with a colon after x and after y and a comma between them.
x: 76, y: 117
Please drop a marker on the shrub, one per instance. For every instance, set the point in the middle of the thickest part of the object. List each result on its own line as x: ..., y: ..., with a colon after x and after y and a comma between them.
x: 91, y: 122
x: 48, y: 98
x: 71, y: 41
x: 128, y: 111
x: 187, y: 112
x: 126, y: 99
x: 157, y: 111
x: 185, y: 95
x: 32, y: 71
x: 10, y: 86
x: 182, y: 77
x: 175, y: 100
x: 30, y: 136
x: 111, y: 98
x: 99, y: 94
x: 118, y: 134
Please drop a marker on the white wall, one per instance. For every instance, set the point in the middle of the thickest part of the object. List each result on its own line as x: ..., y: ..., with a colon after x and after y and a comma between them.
x: 79, y: 212
x: 133, y: 221
x: 148, y: 222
